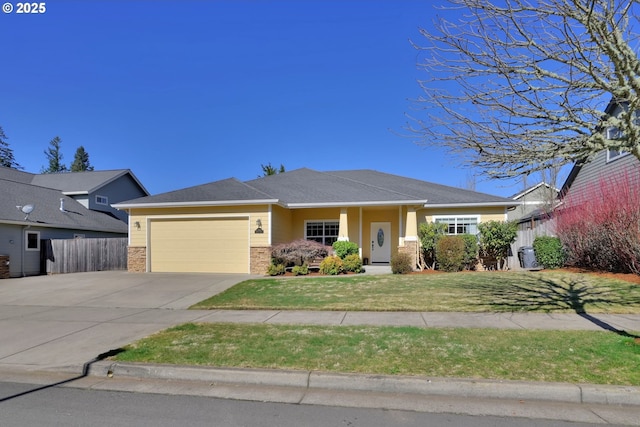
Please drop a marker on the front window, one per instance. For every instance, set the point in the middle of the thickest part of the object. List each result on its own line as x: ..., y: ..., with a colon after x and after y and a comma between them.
x: 325, y: 232
x: 459, y: 224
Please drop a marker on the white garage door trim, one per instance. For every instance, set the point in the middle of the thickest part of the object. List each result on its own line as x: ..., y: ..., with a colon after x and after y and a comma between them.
x: 196, y: 217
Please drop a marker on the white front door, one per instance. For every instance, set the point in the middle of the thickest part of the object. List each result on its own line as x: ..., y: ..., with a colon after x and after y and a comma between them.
x: 380, y: 242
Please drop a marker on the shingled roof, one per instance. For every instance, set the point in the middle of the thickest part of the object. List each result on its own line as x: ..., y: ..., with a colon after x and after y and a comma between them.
x: 47, y: 212
x: 308, y: 188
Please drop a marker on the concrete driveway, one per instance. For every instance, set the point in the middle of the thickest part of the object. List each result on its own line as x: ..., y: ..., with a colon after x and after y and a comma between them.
x: 66, y: 320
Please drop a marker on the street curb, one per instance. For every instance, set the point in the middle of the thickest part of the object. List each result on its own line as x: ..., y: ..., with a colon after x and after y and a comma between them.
x: 311, y: 380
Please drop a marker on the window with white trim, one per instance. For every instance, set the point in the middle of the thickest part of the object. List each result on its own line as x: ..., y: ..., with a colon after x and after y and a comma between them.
x: 613, y: 153
x: 32, y: 240
x: 459, y: 224
x: 325, y: 232
x: 102, y: 200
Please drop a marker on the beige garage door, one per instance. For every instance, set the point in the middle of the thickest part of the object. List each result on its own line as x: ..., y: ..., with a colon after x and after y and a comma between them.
x: 200, y: 245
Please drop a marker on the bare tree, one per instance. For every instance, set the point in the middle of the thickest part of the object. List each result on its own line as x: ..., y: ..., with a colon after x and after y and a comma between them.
x: 517, y: 86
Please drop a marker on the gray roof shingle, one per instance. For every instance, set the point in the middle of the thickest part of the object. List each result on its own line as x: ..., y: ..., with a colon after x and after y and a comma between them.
x: 47, y: 209
x: 306, y: 187
x: 79, y: 182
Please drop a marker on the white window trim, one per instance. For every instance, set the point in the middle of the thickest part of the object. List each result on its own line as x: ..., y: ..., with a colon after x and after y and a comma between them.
x: 105, y: 203
x: 307, y: 221
x: 620, y: 154
x: 456, y: 217
x: 26, y: 240
x: 613, y: 133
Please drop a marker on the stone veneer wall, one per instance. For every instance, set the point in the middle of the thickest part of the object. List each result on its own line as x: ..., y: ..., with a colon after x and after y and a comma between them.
x: 410, y: 247
x: 260, y: 259
x: 136, y: 259
x: 4, y: 267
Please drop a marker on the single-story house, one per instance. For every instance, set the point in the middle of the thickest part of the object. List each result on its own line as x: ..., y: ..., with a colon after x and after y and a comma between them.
x: 230, y: 226
x: 36, y: 208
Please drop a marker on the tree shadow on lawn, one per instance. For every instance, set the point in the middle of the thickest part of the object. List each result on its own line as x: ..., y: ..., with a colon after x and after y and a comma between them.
x: 545, y: 295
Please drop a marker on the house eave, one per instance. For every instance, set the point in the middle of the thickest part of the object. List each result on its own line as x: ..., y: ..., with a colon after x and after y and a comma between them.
x: 121, y: 206
x: 472, y: 205
x: 61, y: 226
x: 355, y: 204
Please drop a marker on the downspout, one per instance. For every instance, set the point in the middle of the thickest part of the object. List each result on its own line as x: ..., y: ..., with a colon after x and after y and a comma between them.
x: 22, y: 248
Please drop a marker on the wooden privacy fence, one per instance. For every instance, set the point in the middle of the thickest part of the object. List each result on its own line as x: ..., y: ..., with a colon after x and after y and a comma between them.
x: 526, y: 236
x: 80, y: 255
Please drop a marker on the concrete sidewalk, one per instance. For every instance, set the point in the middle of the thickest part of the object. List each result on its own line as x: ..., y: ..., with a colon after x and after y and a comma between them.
x: 543, y: 321
x: 53, y: 328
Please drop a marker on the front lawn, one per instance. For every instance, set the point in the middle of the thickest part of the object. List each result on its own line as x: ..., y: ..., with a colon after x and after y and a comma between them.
x: 553, y: 356
x: 544, y: 291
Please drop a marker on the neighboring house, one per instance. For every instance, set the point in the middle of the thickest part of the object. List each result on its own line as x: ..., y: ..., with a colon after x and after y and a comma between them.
x: 55, y: 212
x: 607, y: 165
x: 230, y: 226
x: 96, y: 190
x: 540, y: 197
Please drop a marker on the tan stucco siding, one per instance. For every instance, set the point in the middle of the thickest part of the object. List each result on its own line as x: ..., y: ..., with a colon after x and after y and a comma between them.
x: 281, y: 225
x: 199, y: 245
x: 138, y: 237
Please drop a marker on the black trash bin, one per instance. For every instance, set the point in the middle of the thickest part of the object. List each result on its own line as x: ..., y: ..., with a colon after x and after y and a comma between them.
x: 527, y: 257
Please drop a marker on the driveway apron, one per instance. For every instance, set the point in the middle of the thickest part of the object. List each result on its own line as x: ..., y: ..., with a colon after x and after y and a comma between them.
x: 64, y: 321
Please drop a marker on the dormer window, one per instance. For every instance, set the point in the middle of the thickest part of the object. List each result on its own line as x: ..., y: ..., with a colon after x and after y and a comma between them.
x: 102, y: 200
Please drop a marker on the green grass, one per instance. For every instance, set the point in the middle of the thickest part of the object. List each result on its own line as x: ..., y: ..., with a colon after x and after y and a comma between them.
x: 556, y: 356
x: 545, y: 291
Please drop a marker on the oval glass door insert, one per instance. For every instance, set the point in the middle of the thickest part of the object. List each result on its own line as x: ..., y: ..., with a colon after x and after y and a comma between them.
x: 380, y: 237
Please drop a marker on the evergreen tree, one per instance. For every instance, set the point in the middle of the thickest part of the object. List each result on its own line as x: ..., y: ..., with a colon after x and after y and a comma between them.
x: 54, y: 156
x: 270, y: 170
x: 6, y: 153
x: 81, y: 161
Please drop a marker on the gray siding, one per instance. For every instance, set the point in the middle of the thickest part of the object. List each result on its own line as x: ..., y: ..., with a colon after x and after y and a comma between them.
x: 123, y: 188
x: 591, y: 173
x: 28, y: 262
x: 11, y: 244
x: 533, y: 200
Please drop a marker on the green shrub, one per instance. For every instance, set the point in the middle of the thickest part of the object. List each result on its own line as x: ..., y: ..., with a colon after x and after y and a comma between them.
x: 496, y: 238
x: 401, y: 263
x: 343, y: 248
x: 298, y: 252
x: 352, y: 263
x: 275, y: 269
x: 331, y: 265
x: 429, y: 233
x: 470, y: 259
x: 549, y: 251
x: 300, y: 270
x: 450, y: 253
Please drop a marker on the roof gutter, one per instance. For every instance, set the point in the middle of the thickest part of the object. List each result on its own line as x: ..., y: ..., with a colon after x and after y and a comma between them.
x: 62, y: 226
x: 122, y: 206
x: 355, y: 204
x: 471, y: 205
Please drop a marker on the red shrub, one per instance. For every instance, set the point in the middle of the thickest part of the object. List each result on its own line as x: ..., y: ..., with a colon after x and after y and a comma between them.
x: 599, y: 225
x: 298, y: 252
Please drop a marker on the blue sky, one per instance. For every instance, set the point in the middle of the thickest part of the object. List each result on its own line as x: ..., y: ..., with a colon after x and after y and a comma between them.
x: 189, y: 92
